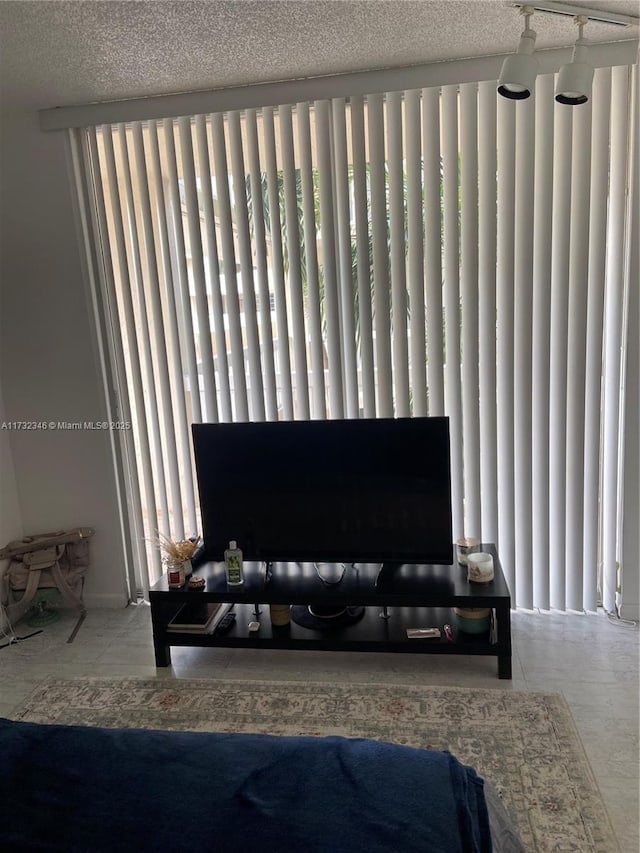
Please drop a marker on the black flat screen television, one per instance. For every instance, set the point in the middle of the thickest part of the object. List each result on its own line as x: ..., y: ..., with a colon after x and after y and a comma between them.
x: 362, y: 490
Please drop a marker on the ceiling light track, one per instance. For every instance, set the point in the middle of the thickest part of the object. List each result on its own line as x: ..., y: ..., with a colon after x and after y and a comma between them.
x: 601, y: 15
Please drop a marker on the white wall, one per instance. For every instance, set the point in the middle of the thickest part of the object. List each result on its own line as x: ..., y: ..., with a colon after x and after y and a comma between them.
x: 49, y: 370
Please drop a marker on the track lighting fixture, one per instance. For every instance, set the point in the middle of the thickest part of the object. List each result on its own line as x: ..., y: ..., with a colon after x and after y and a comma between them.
x: 519, y: 71
x: 573, y: 85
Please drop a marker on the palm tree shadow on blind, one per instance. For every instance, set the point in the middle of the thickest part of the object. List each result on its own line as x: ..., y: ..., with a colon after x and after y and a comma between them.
x: 262, y: 209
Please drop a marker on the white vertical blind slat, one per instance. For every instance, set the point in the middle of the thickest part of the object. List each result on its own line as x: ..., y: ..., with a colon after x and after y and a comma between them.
x: 433, y: 249
x: 381, y: 282
x: 541, y: 313
x: 487, y: 308
x: 365, y: 320
x: 523, y: 309
x: 415, y: 258
x: 453, y: 402
x: 277, y: 263
x: 469, y: 298
x: 505, y: 336
x: 314, y: 324
x: 561, y: 216
x: 576, y: 353
x: 345, y: 278
x: 397, y: 255
x: 595, y: 314
x: 229, y: 269
x: 241, y: 219
x: 301, y: 391
x: 613, y: 334
x: 213, y: 267
x: 262, y: 270
x: 327, y: 231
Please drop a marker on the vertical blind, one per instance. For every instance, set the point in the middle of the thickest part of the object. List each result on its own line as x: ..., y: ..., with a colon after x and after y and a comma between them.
x: 422, y: 252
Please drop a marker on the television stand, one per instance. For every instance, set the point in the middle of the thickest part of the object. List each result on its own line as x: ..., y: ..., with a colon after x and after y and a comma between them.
x: 404, y: 595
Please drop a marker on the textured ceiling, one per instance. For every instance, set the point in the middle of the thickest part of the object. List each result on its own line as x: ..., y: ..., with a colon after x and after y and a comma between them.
x: 61, y: 53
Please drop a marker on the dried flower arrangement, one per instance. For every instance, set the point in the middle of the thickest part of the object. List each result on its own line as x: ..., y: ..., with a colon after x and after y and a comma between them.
x: 176, y: 550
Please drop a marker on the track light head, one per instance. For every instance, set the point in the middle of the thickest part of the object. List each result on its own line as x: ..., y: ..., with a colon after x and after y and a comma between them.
x: 573, y: 85
x: 519, y: 71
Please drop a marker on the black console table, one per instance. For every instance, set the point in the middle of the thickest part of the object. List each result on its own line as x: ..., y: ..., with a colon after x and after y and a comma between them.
x: 410, y: 596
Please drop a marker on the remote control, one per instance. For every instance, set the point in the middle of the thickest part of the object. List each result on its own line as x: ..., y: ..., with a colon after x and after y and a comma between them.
x: 225, y: 623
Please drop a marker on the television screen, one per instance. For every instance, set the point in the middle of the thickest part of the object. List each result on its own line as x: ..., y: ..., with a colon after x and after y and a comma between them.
x: 367, y: 490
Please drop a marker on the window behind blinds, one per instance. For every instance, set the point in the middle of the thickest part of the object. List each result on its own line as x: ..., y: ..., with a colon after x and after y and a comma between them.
x: 422, y: 252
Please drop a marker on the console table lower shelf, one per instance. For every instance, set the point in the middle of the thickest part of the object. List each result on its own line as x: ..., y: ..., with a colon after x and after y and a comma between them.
x: 395, y: 597
x: 372, y: 633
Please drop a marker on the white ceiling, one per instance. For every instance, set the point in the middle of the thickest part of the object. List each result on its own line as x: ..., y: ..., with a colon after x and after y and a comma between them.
x: 62, y: 53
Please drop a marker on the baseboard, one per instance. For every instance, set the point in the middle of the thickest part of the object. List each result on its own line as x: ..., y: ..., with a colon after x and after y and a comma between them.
x: 107, y: 600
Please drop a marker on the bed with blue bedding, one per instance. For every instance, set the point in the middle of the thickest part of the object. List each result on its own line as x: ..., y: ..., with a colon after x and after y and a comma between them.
x: 82, y: 789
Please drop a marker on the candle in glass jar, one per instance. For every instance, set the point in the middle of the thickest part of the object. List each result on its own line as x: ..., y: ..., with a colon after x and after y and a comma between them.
x: 465, y: 547
x: 175, y: 575
x: 480, y: 568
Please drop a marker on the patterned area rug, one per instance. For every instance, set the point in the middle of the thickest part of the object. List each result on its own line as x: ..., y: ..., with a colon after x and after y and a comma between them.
x: 525, y: 743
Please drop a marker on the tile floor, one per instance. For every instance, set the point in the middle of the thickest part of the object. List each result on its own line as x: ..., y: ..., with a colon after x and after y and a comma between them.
x: 591, y: 660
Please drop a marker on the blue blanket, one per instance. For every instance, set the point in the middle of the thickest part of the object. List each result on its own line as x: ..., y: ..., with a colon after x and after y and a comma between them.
x: 93, y: 790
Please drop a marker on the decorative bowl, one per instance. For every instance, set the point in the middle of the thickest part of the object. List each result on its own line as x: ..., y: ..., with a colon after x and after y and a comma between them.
x: 473, y: 620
